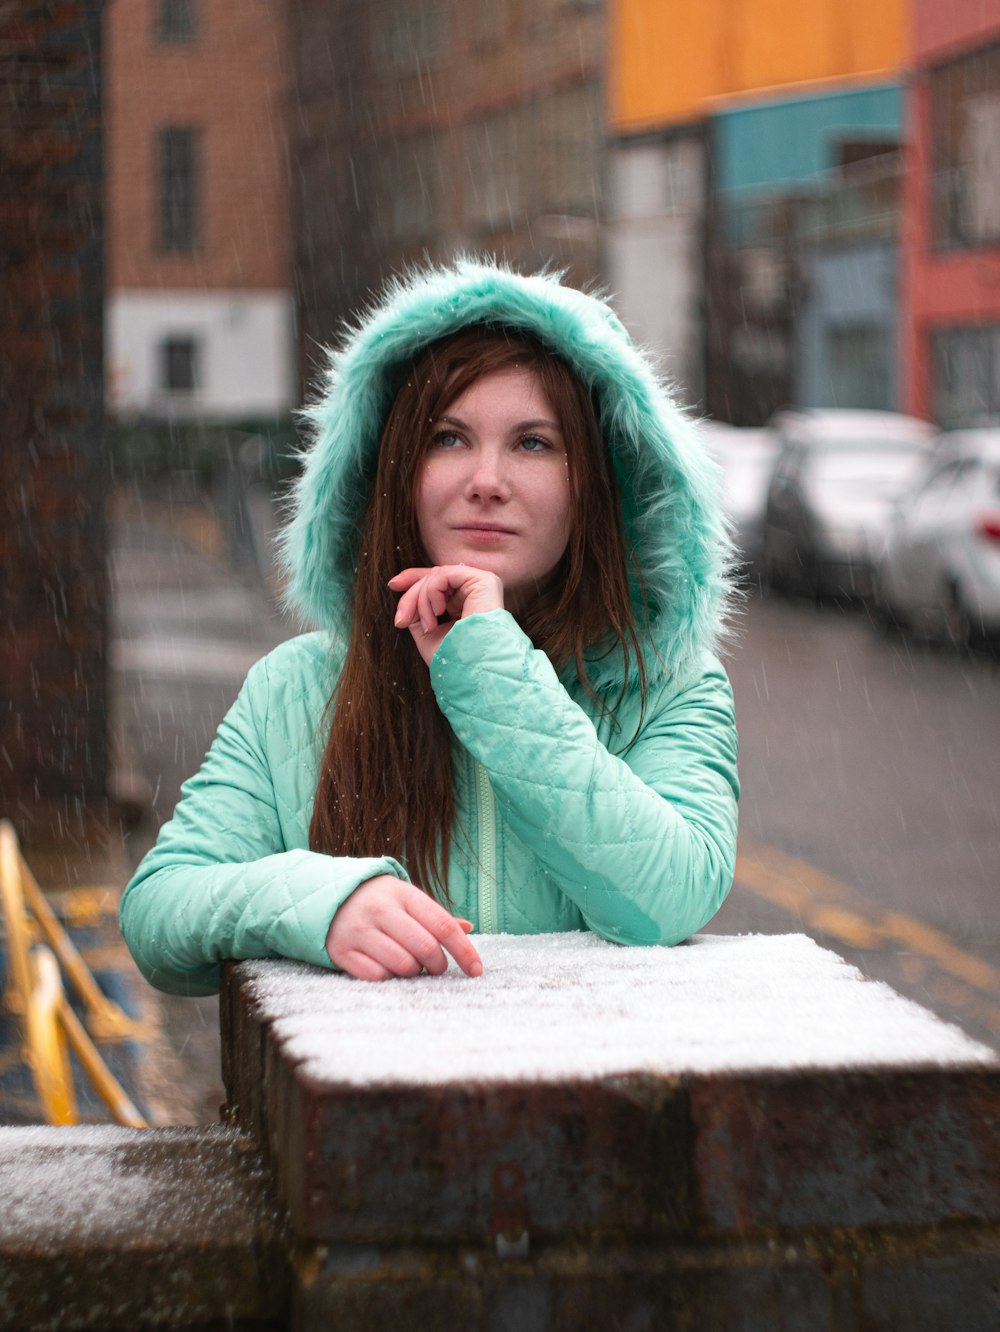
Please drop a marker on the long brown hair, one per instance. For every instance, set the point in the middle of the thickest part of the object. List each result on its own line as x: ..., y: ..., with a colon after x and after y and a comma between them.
x: 386, y: 779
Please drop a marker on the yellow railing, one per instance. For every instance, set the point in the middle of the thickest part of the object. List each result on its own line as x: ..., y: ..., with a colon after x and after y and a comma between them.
x: 37, y: 946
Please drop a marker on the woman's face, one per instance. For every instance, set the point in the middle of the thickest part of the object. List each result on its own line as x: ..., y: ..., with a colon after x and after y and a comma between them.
x: 493, y: 489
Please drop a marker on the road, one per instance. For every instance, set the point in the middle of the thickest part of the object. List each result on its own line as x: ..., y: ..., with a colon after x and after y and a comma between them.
x: 870, y: 767
x: 870, y: 814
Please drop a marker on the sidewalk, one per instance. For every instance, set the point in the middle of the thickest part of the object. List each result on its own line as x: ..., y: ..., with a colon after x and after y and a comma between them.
x: 188, y: 622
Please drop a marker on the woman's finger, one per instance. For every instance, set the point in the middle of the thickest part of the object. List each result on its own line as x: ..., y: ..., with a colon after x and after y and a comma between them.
x: 386, y: 949
x: 430, y: 604
x: 420, y: 942
x: 362, y: 967
x: 408, y: 606
x: 406, y: 578
x: 447, y: 930
x: 461, y: 589
x: 405, y: 610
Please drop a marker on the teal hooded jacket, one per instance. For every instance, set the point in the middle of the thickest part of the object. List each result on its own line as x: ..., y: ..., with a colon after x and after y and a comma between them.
x: 570, y: 819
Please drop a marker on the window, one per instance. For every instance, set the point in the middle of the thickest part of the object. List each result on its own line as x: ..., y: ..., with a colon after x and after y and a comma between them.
x: 179, y: 365
x: 858, y: 367
x: 178, y: 178
x: 498, y: 172
x: 176, y: 20
x: 409, y: 189
x: 490, y: 21
x: 965, y: 102
x: 574, y: 136
x: 966, y: 376
x: 408, y: 34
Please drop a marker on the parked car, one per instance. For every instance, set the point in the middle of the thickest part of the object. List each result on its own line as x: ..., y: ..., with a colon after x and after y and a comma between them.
x: 746, y: 457
x: 831, y: 492
x: 939, y: 572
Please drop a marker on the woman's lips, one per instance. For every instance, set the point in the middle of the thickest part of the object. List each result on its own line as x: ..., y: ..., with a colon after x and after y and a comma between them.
x: 486, y: 535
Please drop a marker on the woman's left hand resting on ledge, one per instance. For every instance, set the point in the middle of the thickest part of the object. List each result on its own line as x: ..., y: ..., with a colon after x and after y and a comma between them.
x: 453, y: 589
x: 388, y: 927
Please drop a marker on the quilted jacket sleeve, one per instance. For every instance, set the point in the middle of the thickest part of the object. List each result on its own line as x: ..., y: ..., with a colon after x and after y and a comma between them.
x: 644, y: 844
x: 220, y: 883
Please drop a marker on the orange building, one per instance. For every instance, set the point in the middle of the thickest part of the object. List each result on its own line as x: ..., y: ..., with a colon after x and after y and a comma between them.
x: 670, y: 63
x: 199, y: 309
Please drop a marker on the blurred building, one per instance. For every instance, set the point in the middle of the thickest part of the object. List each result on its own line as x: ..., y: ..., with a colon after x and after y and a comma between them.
x: 802, y: 252
x: 53, y: 540
x: 200, y: 307
x: 753, y: 214
x: 424, y: 128
x: 952, y: 247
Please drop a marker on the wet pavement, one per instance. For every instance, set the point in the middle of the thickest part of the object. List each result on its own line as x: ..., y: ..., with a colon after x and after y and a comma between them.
x: 870, y: 815
x: 192, y: 612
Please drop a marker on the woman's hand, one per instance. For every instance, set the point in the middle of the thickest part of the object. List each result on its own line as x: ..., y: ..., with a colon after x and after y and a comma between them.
x: 453, y: 589
x: 388, y: 927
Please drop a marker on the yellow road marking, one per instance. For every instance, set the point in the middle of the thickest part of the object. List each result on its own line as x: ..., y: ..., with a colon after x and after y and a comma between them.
x: 833, y: 908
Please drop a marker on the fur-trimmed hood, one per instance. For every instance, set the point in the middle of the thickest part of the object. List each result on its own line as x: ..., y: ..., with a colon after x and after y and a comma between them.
x: 670, y: 486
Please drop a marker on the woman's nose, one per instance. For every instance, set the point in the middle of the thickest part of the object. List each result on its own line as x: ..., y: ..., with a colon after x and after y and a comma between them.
x: 488, y: 477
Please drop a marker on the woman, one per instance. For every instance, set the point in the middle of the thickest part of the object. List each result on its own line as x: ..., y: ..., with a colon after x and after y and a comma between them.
x: 512, y: 718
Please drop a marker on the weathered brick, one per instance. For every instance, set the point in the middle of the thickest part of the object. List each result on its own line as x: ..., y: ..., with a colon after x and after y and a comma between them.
x: 53, y: 734
x: 119, y: 1229
x: 459, y: 1161
x: 565, y: 1288
x: 934, y: 1292
x: 877, y: 1148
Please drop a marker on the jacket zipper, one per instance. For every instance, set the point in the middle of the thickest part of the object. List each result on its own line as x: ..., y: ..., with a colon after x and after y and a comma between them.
x: 487, y: 890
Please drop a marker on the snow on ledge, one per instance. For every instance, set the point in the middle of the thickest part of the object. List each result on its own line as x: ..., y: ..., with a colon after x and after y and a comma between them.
x: 570, y: 1006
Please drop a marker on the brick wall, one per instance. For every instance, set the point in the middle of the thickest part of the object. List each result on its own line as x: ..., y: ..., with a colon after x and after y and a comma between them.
x: 53, y: 589
x: 424, y: 128
x: 858, y: 1198
x: 229, y: 84
x: 335, y: 252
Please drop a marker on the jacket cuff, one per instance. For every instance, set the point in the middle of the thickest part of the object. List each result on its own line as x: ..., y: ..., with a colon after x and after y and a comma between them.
x: 478, y: 640
x: 302, y: 932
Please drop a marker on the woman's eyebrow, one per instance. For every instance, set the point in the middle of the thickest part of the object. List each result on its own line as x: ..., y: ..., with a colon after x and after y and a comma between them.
x: 535, y: 423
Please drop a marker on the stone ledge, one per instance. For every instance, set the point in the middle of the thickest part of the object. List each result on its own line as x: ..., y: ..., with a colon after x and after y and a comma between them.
x: 106, y: 1227
x: 818, y: 1282
x: 582, y: 1090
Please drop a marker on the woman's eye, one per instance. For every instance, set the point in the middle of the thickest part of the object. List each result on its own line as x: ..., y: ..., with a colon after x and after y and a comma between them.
x: 445, y: 439
x: 534, y: 444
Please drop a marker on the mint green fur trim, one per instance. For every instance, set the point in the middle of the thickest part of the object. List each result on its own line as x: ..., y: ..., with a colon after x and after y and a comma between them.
x: 670, y: 486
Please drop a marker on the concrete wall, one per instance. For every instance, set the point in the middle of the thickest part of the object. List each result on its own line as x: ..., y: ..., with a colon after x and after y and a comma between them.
x: 243, y: 343
x: 653, y: 246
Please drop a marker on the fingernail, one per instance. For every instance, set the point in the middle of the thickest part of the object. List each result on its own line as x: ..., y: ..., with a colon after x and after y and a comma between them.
x: 476, y: 969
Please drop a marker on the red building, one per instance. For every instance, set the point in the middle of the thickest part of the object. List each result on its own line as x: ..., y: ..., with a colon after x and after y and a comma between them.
x: 951, y: 238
